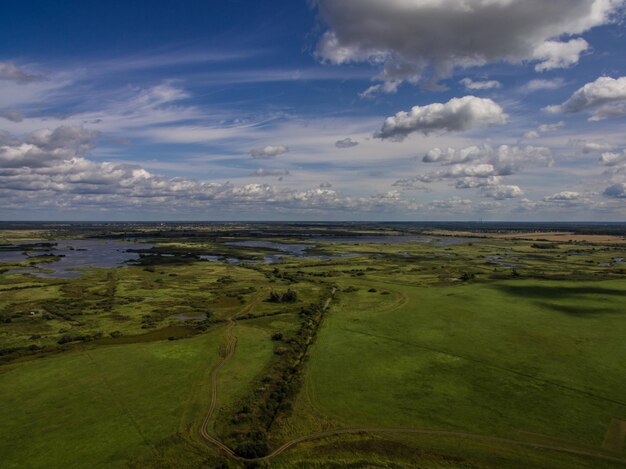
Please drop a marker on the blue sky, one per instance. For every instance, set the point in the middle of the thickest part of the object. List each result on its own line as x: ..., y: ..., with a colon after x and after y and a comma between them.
x: 313, y: 110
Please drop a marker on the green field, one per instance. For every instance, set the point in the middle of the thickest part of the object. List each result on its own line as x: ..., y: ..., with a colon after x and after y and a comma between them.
x: 401, y: 355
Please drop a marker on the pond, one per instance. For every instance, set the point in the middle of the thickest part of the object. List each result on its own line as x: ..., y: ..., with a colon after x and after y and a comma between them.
x: 75, y: 254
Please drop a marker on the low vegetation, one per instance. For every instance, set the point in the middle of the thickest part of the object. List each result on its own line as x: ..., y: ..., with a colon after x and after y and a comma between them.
x: 485, y: 352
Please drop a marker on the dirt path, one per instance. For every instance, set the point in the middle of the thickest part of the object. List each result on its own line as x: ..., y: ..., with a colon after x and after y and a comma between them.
x: 231, y: 345
x: 229, y: 352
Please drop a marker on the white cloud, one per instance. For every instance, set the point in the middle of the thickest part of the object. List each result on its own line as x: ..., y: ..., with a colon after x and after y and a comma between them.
x: 453, y: 204
x: 261, y: 172
x: 480, y: 85
x: 387, y: 87
x: 46, y: 147
x: 541, y: 84
x: 505, y: 159
x: 604, y: 98
x: 595, y: 147
x: 480, y: 167
x: 346, y: 143
x: 565, y: 196
x: 11, y: 72
x: 51, y: 168
x: 543, y: 128
x: 412, y: 40
x: 268, y: 151
x: 613, y: 159
x: 12, y: 115
x: 501, y: 192
x: 458, y: 114
x: 556, y: 54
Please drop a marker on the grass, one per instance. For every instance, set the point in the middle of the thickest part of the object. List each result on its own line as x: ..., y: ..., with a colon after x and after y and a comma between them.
x: 418, y: 336
x: 494, y: 359
x: 98, y: 408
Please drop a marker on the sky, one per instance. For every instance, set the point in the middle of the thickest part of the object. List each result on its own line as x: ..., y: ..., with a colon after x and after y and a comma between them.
x: 322, y: 110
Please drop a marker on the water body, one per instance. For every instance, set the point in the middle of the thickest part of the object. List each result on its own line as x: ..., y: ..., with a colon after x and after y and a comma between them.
x: 299, y: 250
x: 294, y: 250
x: 503, y: 261
x: 77, y: 254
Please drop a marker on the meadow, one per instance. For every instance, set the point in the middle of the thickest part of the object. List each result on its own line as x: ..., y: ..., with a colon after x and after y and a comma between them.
x: 440, y: 352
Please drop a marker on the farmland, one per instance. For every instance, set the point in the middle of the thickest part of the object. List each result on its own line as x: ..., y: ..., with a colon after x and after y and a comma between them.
x: 323, y: 346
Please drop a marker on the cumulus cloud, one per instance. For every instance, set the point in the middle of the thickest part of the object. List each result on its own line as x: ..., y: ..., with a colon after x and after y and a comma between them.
x: 502, y: 191
x: 480, y: 85
x: 505, y: 159
x: 561, y: 201
x: 556, y: 54
x: 596, y: 147
x: 480, y: 167
x: 565, y: 196
x: 544, y: 128
x: 616, y: 191
x: 603, y: 98
x: 413, y: 40
x: 51, y: 167
x: 45, y: 148
x: 346, y: 143
x: 268, y: 151
x: 411, y: 184
x: 613, y: 159
x: 458, y: 114
x: 453, y: 204
x: 11, y: 72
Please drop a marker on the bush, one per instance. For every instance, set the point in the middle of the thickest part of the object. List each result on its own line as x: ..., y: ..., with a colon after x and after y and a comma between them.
x: 274, y: 297
x: 290, y: 297
x: 467, y: 276
x: 251, y: 449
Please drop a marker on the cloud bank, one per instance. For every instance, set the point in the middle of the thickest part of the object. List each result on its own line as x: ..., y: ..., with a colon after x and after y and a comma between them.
x: 412, y: 40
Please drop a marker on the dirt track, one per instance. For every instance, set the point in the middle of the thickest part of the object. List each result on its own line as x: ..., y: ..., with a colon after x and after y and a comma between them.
x: 231, y: 346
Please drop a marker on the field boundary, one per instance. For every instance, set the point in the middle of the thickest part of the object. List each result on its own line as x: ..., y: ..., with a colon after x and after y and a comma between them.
x: 615, y: 436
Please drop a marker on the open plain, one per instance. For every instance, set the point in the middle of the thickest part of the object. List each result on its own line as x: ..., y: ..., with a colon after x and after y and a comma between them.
x: 371, y: 346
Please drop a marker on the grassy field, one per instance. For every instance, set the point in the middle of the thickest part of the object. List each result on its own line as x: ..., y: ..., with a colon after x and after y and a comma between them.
x: 484, y: 353
x: 98, y: 408
x: 507, y: 359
